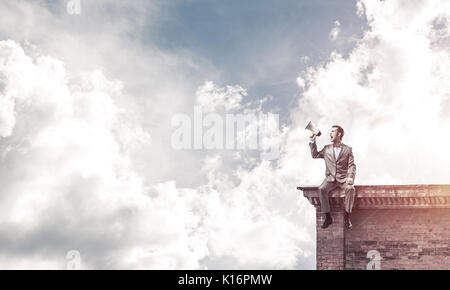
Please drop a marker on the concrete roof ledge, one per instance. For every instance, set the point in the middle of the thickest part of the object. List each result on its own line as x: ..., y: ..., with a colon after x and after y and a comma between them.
x: 387, y: 196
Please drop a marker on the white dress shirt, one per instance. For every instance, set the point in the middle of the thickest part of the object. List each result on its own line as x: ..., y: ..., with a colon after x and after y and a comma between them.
x: 337, y: 150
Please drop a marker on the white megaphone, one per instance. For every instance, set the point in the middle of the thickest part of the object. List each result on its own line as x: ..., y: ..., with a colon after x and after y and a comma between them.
x: 313, y: 129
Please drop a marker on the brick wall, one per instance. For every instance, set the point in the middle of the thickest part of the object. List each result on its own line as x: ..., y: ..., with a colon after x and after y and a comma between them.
x: 405, y: 238
x: 330, y: 243
x: 406, y: 227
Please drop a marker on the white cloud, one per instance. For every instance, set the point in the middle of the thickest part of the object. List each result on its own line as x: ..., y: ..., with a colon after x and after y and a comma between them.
x: 255, y: 218
x: 211, y: 97
x: 68, y: 185
x: 390, y: 94
x: 301, y: 82
x: 156, y: 83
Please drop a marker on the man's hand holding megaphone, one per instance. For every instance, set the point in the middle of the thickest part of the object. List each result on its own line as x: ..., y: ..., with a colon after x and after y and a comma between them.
x: 315, y: 132
x: 313, y: 136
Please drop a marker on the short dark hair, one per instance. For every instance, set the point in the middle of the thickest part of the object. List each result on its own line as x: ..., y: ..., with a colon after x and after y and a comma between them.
x: 339, y: 129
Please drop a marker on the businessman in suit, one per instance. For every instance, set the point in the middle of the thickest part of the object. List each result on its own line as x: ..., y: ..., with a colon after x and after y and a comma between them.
x: 340, y: 173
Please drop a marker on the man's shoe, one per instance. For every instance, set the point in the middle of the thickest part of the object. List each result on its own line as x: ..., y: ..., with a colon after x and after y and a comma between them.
x: 328, y: 221
x: 348, y: 223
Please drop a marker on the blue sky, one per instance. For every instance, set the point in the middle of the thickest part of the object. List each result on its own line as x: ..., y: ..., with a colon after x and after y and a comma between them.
x: 258, y: 43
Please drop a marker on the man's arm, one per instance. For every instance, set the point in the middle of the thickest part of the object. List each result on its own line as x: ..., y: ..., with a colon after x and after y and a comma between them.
x: 314, y: 152
x: 351, y: 172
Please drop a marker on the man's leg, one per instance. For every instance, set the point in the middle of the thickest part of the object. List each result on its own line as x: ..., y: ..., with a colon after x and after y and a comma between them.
x: 349, y: 200
x: 324, y: 189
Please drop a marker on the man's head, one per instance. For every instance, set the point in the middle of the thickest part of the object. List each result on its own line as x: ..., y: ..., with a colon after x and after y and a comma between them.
x: 336, y: 134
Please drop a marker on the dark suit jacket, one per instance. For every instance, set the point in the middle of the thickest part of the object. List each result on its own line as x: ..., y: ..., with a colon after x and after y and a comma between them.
x: 342, y: 168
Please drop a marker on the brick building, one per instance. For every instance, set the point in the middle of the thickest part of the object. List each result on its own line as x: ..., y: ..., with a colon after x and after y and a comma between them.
x: 394, y: 227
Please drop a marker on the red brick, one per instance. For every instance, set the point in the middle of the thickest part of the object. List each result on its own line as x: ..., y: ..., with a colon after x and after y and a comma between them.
x: 407, y: 236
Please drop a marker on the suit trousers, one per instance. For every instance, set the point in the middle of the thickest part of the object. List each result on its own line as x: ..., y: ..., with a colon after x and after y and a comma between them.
x: 326, y: 187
